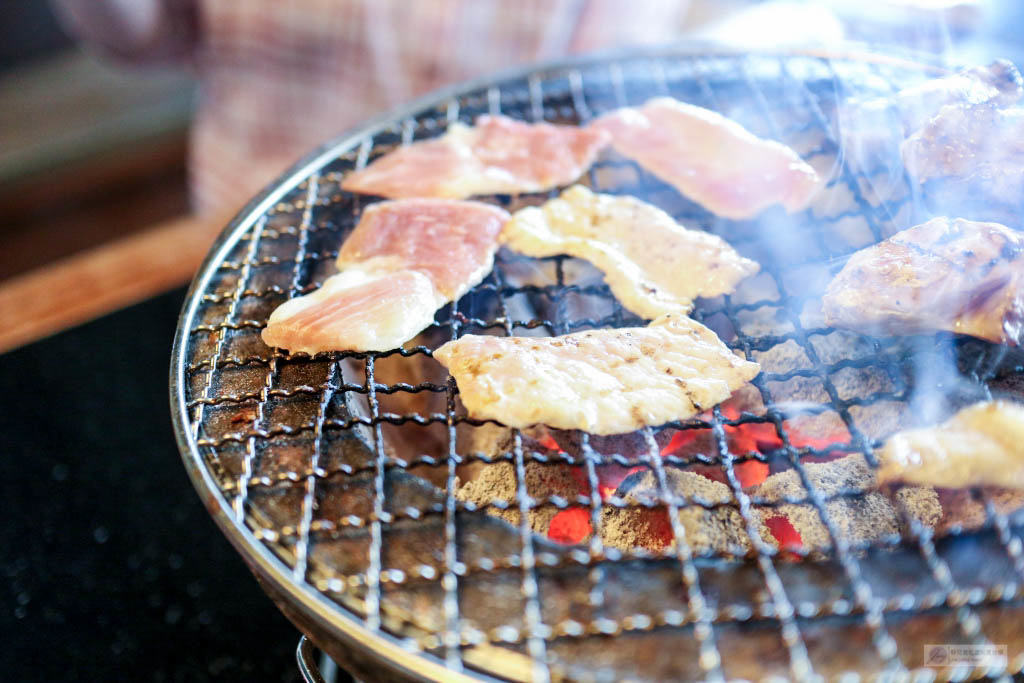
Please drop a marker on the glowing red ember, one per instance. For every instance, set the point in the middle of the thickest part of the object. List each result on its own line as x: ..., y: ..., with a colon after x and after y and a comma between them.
x: 749, y: 438
x: 759, y: 437
x: 573, y: 525
x: 570, y: 526
x: 548, y: 442
x: 785, y: 534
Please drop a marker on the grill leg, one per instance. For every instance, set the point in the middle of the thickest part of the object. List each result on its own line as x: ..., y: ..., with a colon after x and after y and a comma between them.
x: 326, y: 671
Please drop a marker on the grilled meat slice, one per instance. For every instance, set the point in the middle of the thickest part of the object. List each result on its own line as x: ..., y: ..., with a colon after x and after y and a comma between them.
x: 998, y: 83
x: 947, y: 274
x: 979, y: 148
x: 404, y: 260
x: 873, y: 130
x: 982, y: 445
x: 358, y: 310
x: 652, y: 264
x: 711, y: 159
x: 452, y: 242
x: 601, y: 381
x: 497, y: 155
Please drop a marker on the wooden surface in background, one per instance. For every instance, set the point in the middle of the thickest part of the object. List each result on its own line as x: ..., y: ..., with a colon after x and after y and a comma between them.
x: 90, y: 151
x: 85, y: 286
x: 83, y: 205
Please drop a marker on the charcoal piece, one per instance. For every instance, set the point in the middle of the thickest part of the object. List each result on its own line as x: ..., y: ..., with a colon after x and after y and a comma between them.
x: 860, y: 512
x: 961, y: 510
x: 632, y: 445
x: 718, y: 530
x: 496, y: 482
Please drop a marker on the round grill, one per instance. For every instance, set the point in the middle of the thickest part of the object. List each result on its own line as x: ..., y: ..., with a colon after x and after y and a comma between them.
x: 306, y: 462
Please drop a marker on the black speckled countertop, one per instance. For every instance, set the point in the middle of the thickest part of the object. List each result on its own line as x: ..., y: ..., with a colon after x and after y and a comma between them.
x: 112, y: 569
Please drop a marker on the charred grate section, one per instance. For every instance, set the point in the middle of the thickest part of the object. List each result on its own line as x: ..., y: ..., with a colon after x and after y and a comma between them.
x: 340, y: 475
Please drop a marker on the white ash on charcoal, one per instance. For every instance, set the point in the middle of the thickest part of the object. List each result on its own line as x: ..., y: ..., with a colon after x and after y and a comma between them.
x: 861, y: 514
x: 719, y: 530
x: 497, y: 483
x: 487, y: 440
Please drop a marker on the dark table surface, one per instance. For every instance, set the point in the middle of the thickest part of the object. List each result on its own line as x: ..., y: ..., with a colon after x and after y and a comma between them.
x: 112, y: 569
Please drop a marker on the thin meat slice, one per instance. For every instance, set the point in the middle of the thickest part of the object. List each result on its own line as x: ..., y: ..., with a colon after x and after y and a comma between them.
x: 713, y: 160
x: 652, y: 264
x: 452, y: 242
x: 977, y: 151
x: 404, y: 260
x: 357, y: 310
x: 911, y: 108
x: 873, y: 130
x: 497, y: 155
x: 601, y: 381
x: 947, y: 274
x: 982, y: 445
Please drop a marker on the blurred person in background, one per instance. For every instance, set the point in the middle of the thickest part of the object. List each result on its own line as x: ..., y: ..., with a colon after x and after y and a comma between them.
x: 279, y: 77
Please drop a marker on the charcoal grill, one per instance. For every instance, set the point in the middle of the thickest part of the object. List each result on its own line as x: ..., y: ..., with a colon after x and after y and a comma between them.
x: 370, y: 553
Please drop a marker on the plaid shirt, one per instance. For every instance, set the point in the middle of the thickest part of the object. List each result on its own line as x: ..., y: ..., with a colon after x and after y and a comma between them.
x: 280, y: 77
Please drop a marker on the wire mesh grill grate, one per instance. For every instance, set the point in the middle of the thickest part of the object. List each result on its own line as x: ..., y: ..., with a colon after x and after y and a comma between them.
x: 300, y: 449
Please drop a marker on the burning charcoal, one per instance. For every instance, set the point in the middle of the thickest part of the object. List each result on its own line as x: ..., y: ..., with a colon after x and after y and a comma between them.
x: 781, y: 358
x: 497, y: 482
x: 918, y: 502
x: 719, y: 530
x: 861, y: 513
x: 632, y: 445
x: 880, y: 419
x: 487, y: 439
x: 817, y: 430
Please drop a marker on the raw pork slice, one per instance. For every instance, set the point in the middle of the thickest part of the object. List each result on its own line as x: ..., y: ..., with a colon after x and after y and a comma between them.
x: 982, y: 445
x: 453, y: 242
x: 357, y: 310
x: 946, y: 274
x: 497, y: 155
x: 712, y: 160
x: 404, y: 260
x: 601, y: 381
x: 653, y: 265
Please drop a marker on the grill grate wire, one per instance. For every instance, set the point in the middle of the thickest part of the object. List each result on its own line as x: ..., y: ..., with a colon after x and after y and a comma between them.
x: 232, y: 308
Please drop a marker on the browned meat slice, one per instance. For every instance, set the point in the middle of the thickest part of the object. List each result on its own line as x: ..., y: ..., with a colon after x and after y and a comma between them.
x: 977, y: 148
x: 601, y: 381
x: 872, y: 130
x: 946, y: 274
x: 999, y: 83
x: 982, y: 445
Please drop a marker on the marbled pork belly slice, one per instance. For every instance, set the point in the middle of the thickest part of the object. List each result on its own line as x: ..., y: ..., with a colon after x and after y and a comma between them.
x: 452, y: 242
x: 357, y: 310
